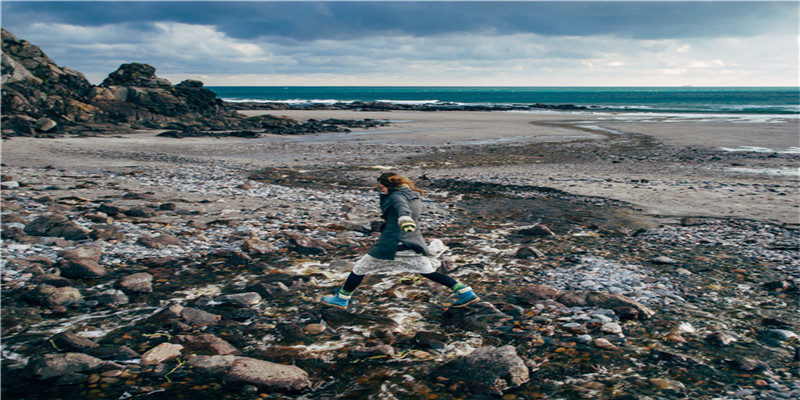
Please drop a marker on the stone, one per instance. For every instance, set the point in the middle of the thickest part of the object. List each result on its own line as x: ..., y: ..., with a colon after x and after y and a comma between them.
x: 159, y: 242
x: 196, y: 317
x: 267, y: 376
x: 56, y: 365
x: 612, y: 328
x: 613, y: 301
x: 51, y: 296
x: 241, y: 299
x: 111, y: 297
x: 71, y: 342
x: 82, y: 253
x: 604, y: 344
x: 314, y: 329
x: 664, y: 260
x: 535, y: 292
x: 525, y: 253
x: 161, y: 353
x: 208, y: 344
x: 745, y: 364
x: 44, y: 124
x: 430, y: 340
x: 256, y: 247
x: 211, y: 365
x: 537, y: 231
x: 491, y: 369
x: 56, y: 225
x: 141, y: 282
x: 107, y: 233
x: 81, y: 268
x: 114, y: 353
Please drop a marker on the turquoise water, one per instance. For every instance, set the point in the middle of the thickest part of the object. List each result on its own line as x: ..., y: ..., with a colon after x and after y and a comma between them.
x: 734, y: 100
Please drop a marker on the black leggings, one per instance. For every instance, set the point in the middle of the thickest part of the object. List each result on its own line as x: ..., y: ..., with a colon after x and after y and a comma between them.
x: 354, y: 280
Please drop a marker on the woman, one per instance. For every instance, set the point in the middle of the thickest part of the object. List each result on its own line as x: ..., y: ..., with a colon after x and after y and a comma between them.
x: 400, y: 247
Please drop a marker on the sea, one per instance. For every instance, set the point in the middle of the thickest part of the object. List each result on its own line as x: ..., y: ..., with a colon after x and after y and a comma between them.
x: 741, y: 101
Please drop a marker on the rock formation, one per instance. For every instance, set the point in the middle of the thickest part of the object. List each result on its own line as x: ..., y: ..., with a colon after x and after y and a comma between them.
x: 41, y: 98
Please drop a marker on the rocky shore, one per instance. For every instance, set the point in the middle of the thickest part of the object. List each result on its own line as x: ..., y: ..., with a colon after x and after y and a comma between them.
x: 192, y: 270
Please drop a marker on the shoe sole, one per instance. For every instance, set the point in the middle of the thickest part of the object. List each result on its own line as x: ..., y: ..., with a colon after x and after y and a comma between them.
x: 465, y: 304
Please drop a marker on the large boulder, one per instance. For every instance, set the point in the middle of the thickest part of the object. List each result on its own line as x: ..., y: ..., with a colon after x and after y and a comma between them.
x: 488, y: 369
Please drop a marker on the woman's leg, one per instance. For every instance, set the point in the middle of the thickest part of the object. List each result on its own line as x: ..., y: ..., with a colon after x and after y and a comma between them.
x: 352, y: 283
x: 342, y: 296
x: 464, y: 293
x: 441, y: 279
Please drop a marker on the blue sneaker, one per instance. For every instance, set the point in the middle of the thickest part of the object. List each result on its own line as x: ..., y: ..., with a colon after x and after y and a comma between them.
x: 338, y: 300
x: 465, y: 296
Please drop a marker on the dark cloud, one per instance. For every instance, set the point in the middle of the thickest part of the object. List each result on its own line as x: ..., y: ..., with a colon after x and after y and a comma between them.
x: 348, y: 20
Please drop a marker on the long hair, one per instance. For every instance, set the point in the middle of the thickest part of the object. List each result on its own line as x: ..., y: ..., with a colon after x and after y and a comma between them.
x: 393, y: 180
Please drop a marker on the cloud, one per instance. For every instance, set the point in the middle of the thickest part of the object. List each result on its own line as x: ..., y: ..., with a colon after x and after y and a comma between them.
x: 404, y: 43
x: 350, y: 20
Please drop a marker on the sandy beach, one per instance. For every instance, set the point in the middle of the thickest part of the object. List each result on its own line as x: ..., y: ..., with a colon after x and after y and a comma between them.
x: 693, y: 167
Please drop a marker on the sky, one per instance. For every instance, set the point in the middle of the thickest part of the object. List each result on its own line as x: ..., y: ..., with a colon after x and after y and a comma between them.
x: 430, y: 43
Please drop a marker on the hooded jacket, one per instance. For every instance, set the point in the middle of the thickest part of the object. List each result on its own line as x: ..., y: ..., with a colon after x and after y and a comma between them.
x: 398, y: 202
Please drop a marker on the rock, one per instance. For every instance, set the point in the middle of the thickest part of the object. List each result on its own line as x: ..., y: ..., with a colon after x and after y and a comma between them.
x: 44, y: 124
x: 111, y: 297
x: 430, y: 340
x: 664, y: 260
x: 612, y: 328
x: 140, y: 282
x: 55, y: 365
x: 256, y: 247
x: 196, y: 317
x: 159, y: 242
x: 373, y: 351
x: 314, y: 329
x: 161, y: 353
x: 51, y: 296
x: 141, y: 212
x: 211, y: 365
x: 82, y: 268
x: 121, y: 353
x: 532, y: 293
x: 492, y: 369
x: 56, y: 225
x: 71, y: 342
x: 537, y: 231
x: 745, y: 364
x: 614, y: 301
x: 527, y: 252
x: 208, y: 344
x: 604, y: 344
x: 267, y: 376
x: 107, y: 233
x: 241, y: 299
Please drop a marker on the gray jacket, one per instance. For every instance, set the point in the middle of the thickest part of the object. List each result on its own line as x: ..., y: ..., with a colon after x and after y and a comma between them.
x: 399, y: 202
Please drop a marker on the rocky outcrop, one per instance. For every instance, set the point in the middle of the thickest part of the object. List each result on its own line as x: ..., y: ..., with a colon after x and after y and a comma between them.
x: 39, y: 96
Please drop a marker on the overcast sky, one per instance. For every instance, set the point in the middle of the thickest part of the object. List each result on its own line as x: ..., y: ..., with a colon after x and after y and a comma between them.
x: 448, y: 43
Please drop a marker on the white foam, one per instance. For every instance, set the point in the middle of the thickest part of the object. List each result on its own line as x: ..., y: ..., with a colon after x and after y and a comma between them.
x: 757, y: 149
